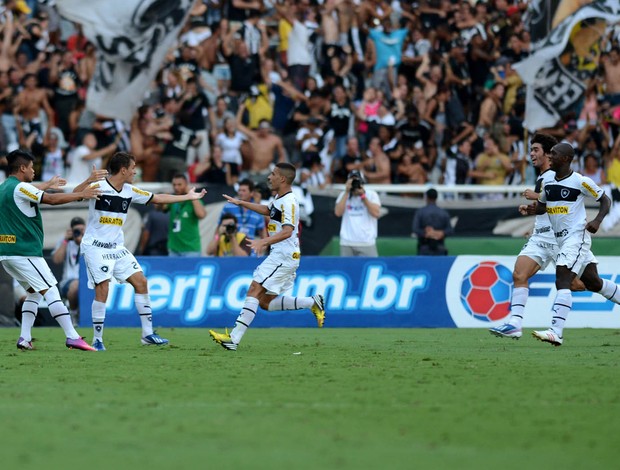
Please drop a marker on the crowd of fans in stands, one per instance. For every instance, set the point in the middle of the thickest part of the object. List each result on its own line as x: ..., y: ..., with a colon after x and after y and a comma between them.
x: 405, y: 92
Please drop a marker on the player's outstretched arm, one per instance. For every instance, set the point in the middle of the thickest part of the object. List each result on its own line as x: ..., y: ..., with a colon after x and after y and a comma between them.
x: 259, y: 208
x: 191, y: 195
x: 56, y: 199
x: 95, y: 175
x: 55, y: 183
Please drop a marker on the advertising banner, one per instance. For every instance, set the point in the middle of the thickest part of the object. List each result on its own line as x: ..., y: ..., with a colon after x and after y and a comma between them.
x: 431, y: 292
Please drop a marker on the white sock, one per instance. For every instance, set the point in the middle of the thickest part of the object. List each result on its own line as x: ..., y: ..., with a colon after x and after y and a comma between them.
x: 248, y: 312
x: 284, y: 302
x: 29, y: 314
x: 610, y: 291
x: 74, y: 316
x: 58, y: 310
x: 143, y: 305
x: 517, y: 305
x: 98, y: 320
x: 561, y: 308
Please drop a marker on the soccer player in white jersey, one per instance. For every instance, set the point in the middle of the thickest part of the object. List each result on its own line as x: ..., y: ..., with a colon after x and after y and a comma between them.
x: 540, y: 249
x: 21, y: 245
x: 104, y: 249
x: 276, y: 273
x: 563, y: 199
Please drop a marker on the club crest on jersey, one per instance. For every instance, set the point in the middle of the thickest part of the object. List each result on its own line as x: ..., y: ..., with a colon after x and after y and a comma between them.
x: 564, y: 193
x: 125, y: 205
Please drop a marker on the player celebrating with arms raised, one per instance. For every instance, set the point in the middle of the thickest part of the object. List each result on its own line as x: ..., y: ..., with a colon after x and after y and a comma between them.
x: 276, y: 273
x: 103, y: 244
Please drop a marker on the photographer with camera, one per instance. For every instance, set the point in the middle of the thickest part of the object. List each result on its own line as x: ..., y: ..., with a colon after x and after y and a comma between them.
x: 359, y: 208
x: 67, y: 251
x: 228, y: 241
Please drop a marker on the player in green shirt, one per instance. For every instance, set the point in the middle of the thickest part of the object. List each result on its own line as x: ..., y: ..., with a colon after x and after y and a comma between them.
x: 183, y: 230
x: 21, y: 243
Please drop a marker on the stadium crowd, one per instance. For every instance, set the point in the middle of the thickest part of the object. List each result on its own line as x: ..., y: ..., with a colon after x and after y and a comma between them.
x: 404, y: 92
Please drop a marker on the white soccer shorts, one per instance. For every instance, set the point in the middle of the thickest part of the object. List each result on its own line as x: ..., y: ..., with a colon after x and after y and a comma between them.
x: 30, y: 271
x: 541, y: 252
x: 103, y: 264
x: 575, y: 252
x: 276, y: 274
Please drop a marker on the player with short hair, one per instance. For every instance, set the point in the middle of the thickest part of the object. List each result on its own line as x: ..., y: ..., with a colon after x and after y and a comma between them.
x: 103, y: 244
x: 563, y: 199
x: 21, y: 244
x: 542, y: 247
x: 276, y: 273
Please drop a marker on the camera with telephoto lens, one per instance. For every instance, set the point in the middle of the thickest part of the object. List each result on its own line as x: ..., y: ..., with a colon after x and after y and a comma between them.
x: 230, y: 229
x: 77, y: 233
x: 356, y: 184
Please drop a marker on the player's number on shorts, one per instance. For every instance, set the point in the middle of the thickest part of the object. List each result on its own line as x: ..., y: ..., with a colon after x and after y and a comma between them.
x: 135, y: 265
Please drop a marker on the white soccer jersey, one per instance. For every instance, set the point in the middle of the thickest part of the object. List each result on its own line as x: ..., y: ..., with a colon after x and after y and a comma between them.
x: 542, y: 232
x: 565, y: 202
x: 284, y: 210
x: 107, y: 214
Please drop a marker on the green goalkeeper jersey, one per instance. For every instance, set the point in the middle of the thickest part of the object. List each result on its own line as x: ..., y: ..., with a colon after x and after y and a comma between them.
x: 21, y: 227
x: 183, y: 230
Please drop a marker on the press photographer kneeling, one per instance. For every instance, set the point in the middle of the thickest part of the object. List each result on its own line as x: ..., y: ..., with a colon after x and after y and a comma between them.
x: 359, y: 208
x: 227, y: 240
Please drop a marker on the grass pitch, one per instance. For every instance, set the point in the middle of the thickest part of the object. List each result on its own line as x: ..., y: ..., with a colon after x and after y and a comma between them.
x: 307, y: 398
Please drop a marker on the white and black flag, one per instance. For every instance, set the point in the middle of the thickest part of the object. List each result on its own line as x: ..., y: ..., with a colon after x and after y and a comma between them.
x: 555, y: 73
x: 131, y: 38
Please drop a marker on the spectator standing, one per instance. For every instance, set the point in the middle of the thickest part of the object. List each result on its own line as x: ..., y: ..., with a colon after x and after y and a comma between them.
x: 431, y: 224
x: 386, y: 49
x: 28, y: 106
x: 264, y: 145
x: 492, y: 166
x: 154, y: 237
x: 195, y: 108
x: 339, y: 117
x: 54, y: 155
x: 65, y: 79
x: 174, y: 157
x: 298, y: 57
x: 185, y: 216
x: 85, y: 157
x: 360, y: 209
x: 230, y: 140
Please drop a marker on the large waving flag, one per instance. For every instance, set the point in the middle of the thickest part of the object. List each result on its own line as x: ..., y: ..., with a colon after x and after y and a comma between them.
x: 131, y: 38
x: 565, y: 54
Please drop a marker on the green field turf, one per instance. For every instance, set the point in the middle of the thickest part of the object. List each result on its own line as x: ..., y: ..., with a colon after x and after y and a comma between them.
x: 313, y: 399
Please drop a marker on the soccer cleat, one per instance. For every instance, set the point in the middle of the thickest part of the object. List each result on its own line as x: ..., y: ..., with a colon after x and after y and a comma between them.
x: 23, y: 344
x: 79, y: 343
x: 224, y: 340
x: 318, y: 309
x: 154, y: 339
x: 98, y: 345
x: 506, y: 331
x: 548, y: 336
